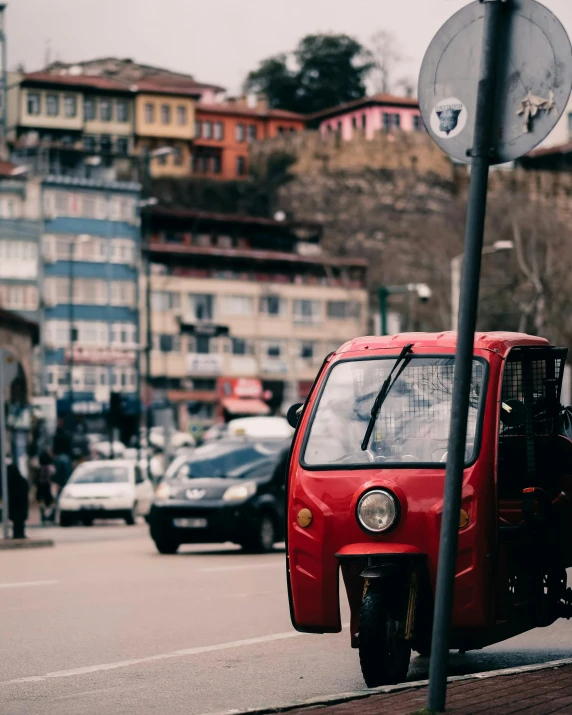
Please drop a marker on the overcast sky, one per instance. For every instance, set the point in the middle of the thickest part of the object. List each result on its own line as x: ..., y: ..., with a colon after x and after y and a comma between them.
x: 217, y: 41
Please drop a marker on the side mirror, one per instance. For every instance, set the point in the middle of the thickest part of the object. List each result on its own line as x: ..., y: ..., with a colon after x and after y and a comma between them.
x: 513, y: 413
x: 293, y: 414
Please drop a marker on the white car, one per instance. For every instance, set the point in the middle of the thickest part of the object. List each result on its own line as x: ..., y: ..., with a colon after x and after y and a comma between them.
x: 105, y: 489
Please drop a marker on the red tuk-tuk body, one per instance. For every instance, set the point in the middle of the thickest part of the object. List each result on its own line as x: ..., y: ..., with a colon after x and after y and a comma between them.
x: 403, y: 472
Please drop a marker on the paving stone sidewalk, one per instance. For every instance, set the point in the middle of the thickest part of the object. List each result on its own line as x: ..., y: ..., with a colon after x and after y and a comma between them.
x: 534, y: 692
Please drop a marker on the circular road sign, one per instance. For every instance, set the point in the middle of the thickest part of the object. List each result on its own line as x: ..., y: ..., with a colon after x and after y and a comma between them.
x: 533, y: 86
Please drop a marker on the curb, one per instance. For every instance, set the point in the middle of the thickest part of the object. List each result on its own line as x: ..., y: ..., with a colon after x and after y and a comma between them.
x: 8, y: 544
x: 329, y: 700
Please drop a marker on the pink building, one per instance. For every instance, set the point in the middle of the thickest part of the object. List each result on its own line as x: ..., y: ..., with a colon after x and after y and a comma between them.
x: 381, y: 112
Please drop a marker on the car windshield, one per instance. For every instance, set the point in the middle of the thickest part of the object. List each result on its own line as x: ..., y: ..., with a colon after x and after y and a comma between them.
x: 210, y: 461
x: 100, y: 475
x: 412, y: 424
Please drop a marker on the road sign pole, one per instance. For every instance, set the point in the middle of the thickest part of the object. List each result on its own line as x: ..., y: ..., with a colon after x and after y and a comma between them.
x: 495, y: 17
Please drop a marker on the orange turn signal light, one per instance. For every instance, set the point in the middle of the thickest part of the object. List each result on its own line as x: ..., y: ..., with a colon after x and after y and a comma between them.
x: 305, y: 518
x: 463, y: 519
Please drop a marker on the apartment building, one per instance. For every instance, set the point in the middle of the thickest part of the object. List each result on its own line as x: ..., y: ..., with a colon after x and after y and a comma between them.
x: 366, y: 116
x: 224, y: 132
x: 91, y: 257
x: 243, y: 311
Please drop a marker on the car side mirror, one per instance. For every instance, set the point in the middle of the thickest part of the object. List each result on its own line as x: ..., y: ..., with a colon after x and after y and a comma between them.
x: 513, y: 413
x: 293, y: 414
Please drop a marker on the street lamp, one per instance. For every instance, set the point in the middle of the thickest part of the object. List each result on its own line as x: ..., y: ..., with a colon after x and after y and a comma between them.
x: 73, y: 332
x: 456, y: 264
x: 423, y: 291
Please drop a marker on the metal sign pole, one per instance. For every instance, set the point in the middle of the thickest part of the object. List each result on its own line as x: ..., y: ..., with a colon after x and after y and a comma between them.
x: 495, y: 15
x: 3, y: 470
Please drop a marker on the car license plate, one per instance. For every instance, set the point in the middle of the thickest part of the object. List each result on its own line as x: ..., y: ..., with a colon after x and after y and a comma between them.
x: 190, y: 523
x: 88, y: 507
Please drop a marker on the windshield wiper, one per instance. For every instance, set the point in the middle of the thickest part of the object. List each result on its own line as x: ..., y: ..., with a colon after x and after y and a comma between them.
x: 383, y: 393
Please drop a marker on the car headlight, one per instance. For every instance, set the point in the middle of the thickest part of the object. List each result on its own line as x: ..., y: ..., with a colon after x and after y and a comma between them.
x: 377, y: 511
x: 239, y: 492
x: 163, y: 491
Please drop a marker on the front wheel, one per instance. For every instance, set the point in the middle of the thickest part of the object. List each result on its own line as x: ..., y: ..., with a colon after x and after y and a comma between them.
x: 130, y: 518
x: 384, y: 653
x: 66, y: 519
x: 166, y: 545
x: 263, y: 536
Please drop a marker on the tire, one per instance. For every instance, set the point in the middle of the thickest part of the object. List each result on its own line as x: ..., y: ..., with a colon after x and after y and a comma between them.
x: 167, y: 545
x: 87, y: 520
x: 383, y: 653
x: 130, y: 518
x: 65, y: 519
x: 263, y: 536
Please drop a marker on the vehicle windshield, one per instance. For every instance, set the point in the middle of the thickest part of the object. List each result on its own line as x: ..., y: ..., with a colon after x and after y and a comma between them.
x: 412, y: 424
x: 212, y: 461
x: 100, y: 475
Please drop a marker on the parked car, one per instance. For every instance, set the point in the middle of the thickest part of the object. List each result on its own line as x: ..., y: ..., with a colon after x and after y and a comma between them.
x: 259, y: 428
x: 224, y: 491
x: 106, y: 489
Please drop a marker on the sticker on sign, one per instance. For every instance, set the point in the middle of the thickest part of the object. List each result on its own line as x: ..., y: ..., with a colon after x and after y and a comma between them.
x: 449, y: 118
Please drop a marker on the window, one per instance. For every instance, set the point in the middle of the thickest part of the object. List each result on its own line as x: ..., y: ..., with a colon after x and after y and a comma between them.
x: 19, y: 297
x: 240, y: 133
x: 238, y: 304
x: 123, y: 293
x: 240, y: 166
x: 218, y: 131
x: 149, y: 113
x: 124, y: 334
x: 105, y: 110
x: 307, y: 311
x: 207, y: 130
x: 123, y: 251
x: 122, y: 146
x: 272, y: 305
x: 391, y: 121
x: 386, y: 122
x: 252, y: 132
x: 181, y: 115
x: 343, y: 309
x: 52, y: 105
x: 201, y: 306
x: 162, y: 301
x: 273, y: 350
x: 217, y: 165
x: 105, y: 144
x: 122, y: 109
x: 70, y: 106
x: 397, y: 121
x: 88, y: 109
x: 167, y: 343
x: 239, y: 346
x: 339, y: 128
x: 364, y: 121
x: 203, y: 344
x: 354, y: 122
x: 198, y: 127
x: 33, y: 103
x: 90, y: 143
x: 178, y: 156
x: 417, y: 123
x: 307, y: 350
x: 165, y: 114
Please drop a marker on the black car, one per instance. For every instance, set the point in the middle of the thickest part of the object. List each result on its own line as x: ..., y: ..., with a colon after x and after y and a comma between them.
x: 226, y: 491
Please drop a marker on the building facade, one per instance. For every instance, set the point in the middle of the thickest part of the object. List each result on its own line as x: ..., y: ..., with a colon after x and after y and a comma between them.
x: 224, y: 132
x: 91, y: 257
x: 380, y: 112
x: 244, y: 307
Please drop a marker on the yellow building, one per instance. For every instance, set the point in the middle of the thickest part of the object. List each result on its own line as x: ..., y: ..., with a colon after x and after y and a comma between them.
x: 165, y: 116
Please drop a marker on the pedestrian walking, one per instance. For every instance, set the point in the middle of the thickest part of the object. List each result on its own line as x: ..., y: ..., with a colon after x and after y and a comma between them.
x: 44, y: 490
x: 18, y: 500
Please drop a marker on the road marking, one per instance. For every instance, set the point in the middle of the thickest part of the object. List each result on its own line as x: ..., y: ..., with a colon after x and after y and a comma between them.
x: 216, y: 569
x: 149, y: 659
x: 22, y: 584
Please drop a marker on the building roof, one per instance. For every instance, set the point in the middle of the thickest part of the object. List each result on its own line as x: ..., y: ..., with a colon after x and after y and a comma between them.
x: 16, y: 322
x: 381, y: 100
x: 501, y: 342
x: 240, y: 110
x: 79, y: 81
x: 7, y: 168
x: 548, y: 150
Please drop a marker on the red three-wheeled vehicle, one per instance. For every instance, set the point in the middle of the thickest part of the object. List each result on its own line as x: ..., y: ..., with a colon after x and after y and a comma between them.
x: 365, y: 495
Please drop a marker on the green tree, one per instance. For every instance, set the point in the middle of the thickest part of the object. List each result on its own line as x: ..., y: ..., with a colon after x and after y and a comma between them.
x: 326, y: 70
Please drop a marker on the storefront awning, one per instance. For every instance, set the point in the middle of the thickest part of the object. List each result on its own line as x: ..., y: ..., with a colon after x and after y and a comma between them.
x: 245, y: 406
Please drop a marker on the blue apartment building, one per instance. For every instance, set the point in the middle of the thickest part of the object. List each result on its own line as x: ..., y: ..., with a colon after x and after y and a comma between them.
x: 91, y: 248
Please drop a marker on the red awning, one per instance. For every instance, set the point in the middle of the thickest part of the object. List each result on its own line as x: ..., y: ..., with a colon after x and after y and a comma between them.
x: 245, y: 406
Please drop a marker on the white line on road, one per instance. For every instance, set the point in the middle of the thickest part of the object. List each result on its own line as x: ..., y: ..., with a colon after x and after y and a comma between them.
x: 22, y: 584
x: 149, y: 659
x: 216, y: 569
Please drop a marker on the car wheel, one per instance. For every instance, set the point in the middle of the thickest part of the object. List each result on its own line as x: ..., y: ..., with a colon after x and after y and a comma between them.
x: 263, y: 536
x: 65, y: 519
x: 130, y: 518
x: 167, y: 545
x: 87, y: 520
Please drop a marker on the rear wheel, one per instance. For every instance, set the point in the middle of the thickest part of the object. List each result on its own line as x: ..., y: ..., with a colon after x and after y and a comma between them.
x: 65, y: 519
x: 384, y: 654
x: 167, y: 545
x: 87, y: 520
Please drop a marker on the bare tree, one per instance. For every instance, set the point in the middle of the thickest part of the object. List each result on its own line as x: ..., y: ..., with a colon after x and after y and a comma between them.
x: 387, y: 56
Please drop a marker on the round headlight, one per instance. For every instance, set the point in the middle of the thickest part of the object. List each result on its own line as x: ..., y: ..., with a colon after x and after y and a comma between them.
x: 377, y: 511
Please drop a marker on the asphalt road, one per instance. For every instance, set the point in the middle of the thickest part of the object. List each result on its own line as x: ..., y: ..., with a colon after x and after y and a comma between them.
x: 103, y: 625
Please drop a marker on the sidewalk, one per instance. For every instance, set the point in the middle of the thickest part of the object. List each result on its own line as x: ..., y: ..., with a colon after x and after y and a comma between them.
x: 530, y: 690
